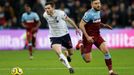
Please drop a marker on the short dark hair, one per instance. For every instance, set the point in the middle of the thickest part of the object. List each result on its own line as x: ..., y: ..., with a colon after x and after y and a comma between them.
x: 28, y: 5
x: 50, y: 3
x: 92, y: 0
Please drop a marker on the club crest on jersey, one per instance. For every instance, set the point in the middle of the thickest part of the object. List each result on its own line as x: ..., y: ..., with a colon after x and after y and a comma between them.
x: 53, y: 19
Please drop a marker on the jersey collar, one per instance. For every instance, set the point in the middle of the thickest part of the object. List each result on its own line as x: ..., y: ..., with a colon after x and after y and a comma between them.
x: 93, y: 10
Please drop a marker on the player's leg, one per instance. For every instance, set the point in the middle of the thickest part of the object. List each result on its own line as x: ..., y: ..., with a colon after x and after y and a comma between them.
x: 108, y: 59
x: 85, y: 49
x: 56, y: 45
x: 100, y: 43
x: 86, y: 53
x: 34, y: 40
x: 26, y: 44
x: 63, y: 59
x: 78, y: 45
x: 68, y: 54
x: 24, y: 36
x: 34, y: 33
x: 68, y: 45
x: 29, y: 38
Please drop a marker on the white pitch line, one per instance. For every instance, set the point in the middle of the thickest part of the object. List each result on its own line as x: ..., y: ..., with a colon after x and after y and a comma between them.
x: 77, y: 68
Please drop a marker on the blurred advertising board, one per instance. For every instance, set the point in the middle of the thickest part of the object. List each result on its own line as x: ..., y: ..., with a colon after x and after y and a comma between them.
x: 15, y: 39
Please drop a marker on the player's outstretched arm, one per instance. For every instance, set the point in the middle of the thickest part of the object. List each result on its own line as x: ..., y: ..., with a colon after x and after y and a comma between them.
x: 82, y: 27
x: 106, y: 26
x: 74, y: 25
x: 71, y: 22
x: 38, y: 24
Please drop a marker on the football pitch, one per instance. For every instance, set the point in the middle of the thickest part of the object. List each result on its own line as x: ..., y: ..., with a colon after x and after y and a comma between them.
x: 47, y: 63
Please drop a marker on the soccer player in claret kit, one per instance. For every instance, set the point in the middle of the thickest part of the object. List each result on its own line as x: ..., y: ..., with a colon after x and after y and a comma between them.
x: 59, y: 34
x: 30, y: 21
x: 90, y: 26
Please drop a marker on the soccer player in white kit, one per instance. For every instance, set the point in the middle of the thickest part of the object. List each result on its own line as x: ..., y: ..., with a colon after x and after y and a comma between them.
x: 59, y: 34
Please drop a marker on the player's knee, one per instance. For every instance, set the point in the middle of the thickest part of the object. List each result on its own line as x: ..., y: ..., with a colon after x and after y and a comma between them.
x: 71, y: 53
x: 86, y: 59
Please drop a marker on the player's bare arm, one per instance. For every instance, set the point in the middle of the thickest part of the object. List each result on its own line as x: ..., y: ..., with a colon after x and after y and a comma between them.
x: 73, y: 24
x: 23, y: 24
x: 38, y: 25
x: 89, y: 38
x: 106, y: 26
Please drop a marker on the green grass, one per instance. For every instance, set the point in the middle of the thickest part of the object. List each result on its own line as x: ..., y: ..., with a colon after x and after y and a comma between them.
x: 47, y: 63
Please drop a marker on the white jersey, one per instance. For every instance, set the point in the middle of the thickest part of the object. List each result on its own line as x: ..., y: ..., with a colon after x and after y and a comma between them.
x: 57, y: 23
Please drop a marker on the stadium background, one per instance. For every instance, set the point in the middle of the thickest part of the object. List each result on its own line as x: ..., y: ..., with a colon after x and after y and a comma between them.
x: 117, y: 13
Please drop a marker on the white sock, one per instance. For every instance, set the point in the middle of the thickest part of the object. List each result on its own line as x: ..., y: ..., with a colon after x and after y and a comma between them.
x: 63, y: 59
x: 110, y: 71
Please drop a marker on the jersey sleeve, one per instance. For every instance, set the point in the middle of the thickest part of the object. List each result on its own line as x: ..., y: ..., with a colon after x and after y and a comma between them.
x: 63, y: 15
x: 87, y: 17
x: 36, y: 17
x: 22, y: 18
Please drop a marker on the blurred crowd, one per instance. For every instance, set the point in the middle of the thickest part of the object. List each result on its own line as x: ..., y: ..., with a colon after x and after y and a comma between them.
x: 118, y: 13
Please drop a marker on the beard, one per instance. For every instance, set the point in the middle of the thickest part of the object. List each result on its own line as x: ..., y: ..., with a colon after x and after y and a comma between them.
x: 97, y: 8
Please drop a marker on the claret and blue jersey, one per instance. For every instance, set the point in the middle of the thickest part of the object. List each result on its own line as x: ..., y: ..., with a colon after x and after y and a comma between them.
x: 93, y: 20
x: 92, y: 16
x: 92, y: 27
x: 30, y: 19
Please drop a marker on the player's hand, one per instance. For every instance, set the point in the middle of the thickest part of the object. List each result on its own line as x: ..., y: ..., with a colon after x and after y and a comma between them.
x: 106, y: 26
x: 78, y: 32
x: 34, y: 29
x: 90, y: 39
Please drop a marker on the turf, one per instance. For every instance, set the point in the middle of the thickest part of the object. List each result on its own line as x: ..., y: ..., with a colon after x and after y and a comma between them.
x: 47, y: 63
